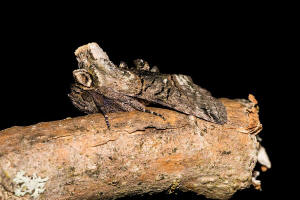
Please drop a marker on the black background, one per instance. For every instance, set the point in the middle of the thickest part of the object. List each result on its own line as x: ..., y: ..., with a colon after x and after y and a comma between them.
x: 231, y: 55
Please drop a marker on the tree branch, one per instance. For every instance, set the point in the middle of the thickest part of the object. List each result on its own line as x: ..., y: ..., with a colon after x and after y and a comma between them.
x: 80, y: 158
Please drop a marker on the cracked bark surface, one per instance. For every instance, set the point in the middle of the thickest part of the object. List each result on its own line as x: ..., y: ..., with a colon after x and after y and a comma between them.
x: 142, y: 153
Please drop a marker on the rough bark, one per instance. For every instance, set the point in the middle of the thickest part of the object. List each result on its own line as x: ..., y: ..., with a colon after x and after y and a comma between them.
x: 142, y: 153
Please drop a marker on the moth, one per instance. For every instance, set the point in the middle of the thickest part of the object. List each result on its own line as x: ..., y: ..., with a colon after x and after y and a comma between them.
x: 102, y: 87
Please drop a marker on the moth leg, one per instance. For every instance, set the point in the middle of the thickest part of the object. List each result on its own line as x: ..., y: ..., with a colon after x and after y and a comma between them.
x: 106, y: 119
x: 154, y: 113
x: 117, y: 102
x: 135, y: 104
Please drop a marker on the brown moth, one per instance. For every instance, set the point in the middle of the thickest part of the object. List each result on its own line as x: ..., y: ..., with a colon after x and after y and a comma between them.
x: 104, y: 87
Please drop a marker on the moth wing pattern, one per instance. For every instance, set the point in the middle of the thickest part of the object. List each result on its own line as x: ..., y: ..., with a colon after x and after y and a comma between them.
x: 92, y: 101
x: 201, y: 103
x: 104, y: 87
x: 178, y: 92
x: 83, y: 100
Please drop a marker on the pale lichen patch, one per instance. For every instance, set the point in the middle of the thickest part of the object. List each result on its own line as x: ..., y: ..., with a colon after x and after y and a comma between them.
x: 33, y: 185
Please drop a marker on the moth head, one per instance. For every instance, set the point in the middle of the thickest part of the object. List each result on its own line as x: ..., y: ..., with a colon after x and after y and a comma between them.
x: 97, y: 71
x: 83, y: 77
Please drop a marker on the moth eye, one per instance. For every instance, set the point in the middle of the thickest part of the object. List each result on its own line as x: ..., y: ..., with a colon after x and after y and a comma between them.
x: 82, y: 77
